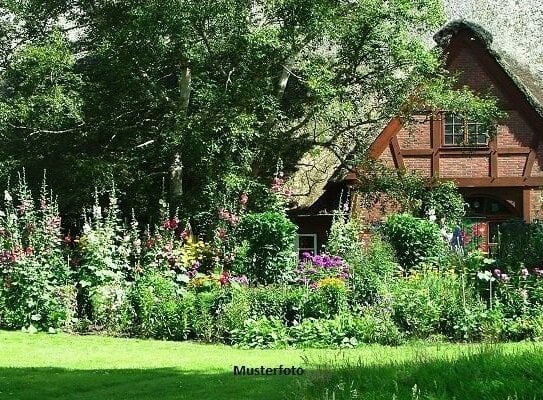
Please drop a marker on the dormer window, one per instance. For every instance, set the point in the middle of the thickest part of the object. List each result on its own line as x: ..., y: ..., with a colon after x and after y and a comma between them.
x: 460, y: 131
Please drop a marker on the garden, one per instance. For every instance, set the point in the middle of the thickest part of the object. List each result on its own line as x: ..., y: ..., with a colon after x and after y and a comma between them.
x: 243, y: 286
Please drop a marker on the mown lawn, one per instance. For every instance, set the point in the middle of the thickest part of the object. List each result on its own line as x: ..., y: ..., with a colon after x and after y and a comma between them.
x: 92, y: 367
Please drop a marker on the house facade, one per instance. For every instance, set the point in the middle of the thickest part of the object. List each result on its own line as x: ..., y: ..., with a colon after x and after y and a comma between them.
x: 500, y: 175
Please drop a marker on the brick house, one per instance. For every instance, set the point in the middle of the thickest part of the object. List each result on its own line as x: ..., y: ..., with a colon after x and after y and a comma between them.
x: 500, y: 178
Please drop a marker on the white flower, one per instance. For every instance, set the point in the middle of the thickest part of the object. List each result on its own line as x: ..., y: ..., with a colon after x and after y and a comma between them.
x: 485, y: 276
x: 7, y: 196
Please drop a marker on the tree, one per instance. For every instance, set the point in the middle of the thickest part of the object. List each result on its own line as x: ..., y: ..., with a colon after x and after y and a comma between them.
x: 230, y: 85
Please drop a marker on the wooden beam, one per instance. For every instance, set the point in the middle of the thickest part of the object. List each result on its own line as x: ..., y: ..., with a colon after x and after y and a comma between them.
x: 396, y: 153
x: 417, y: 152
x: 382, y: 141
x: 493, y: 158
x: 498, y: 182
x: 436, y: 128
x: 526, y: 205
x: 504, y: 151
x: 467, y: 151
x: 527, y: 172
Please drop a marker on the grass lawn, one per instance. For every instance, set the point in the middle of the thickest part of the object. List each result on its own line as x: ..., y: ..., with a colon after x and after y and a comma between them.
x: 92, y: 367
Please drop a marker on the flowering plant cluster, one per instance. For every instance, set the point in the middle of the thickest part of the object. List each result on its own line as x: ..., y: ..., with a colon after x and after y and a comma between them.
x: 34, y: 273
x: 314, y: 268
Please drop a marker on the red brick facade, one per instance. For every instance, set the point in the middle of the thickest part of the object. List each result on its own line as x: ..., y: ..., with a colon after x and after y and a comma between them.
x: 509, y: 168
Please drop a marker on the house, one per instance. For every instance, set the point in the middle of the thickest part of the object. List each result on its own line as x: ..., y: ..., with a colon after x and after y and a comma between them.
x: 500, y: 178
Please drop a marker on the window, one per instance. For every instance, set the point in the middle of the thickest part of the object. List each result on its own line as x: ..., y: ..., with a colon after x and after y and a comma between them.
x: 306, y: 242
x: 460, y: 131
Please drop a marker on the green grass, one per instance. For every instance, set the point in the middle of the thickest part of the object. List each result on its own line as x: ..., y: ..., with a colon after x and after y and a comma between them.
x: 92, y: 367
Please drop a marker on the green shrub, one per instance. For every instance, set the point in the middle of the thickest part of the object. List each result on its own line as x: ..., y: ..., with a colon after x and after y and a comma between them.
x: 234, y: 310
x: 261, y: 333
x: 372, y: 276
x: 345, y: 331
x: 159, y: 308
x: 327, y: 300
x: 111, y: 310
x: 285, y: 303
x: 414, y: 240
x: 430, y: 302
x: 269, y: 245
x: 203, y: 316
x: 521, y: 245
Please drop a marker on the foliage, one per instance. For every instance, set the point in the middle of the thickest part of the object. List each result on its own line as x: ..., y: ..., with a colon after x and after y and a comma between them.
x: 100, y: 89
x: 431, y: 302
x: 261, y: 333
x: 160, y: 309
x: 410, y: 192
x: 414, y: 240
x: 111, y: 309
x: 269, y: 239
x: 344, y: 239
x: 312, y: 269
x: 521, y: 245
x: 35, y: 280
x: 282, y: 302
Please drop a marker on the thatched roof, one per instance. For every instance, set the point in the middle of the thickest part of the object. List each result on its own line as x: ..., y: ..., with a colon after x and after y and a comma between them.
x: 528, y: 81
x: 315, y: 171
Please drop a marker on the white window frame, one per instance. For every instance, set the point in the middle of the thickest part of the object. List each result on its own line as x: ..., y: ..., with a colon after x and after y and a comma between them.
x: 312, y: 250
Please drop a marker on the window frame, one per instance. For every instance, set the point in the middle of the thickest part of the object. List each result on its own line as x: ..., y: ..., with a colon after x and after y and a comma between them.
x: 466, y: 134
x: 313, y: 250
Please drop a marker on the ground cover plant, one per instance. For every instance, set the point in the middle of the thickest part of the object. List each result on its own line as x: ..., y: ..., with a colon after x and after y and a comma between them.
x: 96, y: 367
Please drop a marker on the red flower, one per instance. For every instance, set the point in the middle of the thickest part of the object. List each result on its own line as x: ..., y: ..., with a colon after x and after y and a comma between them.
x: 225, y: 278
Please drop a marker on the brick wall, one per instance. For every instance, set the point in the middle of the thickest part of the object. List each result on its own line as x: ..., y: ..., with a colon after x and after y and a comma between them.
x: 416, y: 135
x: 421, y: 165
x: 511, y: 165
x: 464, y: 166
x: 514, y: 132
x: 473, y: 74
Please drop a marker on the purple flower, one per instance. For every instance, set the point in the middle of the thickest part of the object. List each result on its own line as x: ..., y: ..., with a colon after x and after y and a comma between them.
x: 497, y: 272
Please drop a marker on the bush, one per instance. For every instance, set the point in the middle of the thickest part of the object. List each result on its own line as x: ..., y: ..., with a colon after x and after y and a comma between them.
x: 521, y: 245
x: 269, y: 247
x: 111, y: 310
x: 429, y: 302
x: 161, y: 311
x: 261, y: 333
x: 414, y: 240
x: 203, y: 316
x: 372, y: 276
x: 234, y: 310
x: 35, y: 284
x: 327, y: 300
x: 280, y: 302
x: 345, y: 331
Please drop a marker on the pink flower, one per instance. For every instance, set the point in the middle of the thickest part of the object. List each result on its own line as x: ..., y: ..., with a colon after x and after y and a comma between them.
x: 243, y: 199
x: 221, y: 233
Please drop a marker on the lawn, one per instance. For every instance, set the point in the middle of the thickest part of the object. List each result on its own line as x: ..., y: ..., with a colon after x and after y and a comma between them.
x: 93, y: 367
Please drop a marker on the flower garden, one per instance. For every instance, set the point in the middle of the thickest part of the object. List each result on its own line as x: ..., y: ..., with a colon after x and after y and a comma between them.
x: 242, y: 285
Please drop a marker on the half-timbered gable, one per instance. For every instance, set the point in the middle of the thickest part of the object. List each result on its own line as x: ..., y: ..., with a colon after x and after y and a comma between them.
x: 500, y: 174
